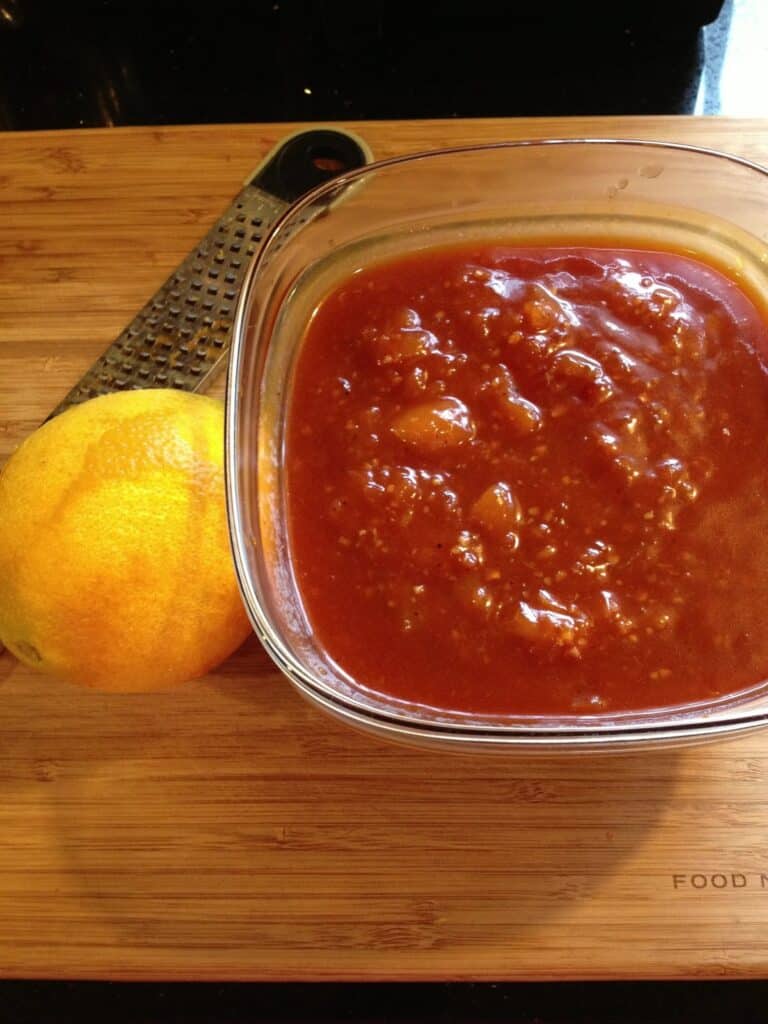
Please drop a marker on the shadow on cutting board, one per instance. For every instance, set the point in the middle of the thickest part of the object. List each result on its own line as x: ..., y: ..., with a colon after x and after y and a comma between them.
x: 7, y: 663
x: 232, y: 818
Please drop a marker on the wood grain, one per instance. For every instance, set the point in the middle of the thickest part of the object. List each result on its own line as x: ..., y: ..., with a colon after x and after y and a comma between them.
x: 231, y: 831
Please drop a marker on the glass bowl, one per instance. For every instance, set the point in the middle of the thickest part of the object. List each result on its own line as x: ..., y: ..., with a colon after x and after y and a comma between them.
x: 694, y: 201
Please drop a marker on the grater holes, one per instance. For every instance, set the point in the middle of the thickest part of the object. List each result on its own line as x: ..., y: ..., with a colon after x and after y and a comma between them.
x: 184, y: 331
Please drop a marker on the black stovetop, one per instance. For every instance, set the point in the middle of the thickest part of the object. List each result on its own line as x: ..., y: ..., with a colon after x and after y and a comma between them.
x: 115, y: 62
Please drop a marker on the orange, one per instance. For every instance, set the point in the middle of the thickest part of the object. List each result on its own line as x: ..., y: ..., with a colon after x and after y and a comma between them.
x: 115, y: 566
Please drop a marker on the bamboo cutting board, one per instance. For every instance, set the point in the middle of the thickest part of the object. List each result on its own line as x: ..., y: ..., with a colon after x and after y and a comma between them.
x: 229, y: 830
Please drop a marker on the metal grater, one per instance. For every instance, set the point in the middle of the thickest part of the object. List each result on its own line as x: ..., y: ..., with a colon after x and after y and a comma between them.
x: 181, y: 337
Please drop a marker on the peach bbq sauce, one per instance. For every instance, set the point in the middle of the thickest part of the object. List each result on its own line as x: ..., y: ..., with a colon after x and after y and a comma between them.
x: 534, y: 480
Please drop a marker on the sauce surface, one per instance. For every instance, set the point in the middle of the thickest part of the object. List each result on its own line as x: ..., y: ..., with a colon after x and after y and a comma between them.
x: 533, y: 481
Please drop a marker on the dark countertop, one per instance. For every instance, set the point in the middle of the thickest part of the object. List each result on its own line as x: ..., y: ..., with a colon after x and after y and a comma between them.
x: 574, y: 1003
x: 110, y: 62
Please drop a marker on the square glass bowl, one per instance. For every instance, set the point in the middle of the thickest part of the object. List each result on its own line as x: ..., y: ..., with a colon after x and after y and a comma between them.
x: 694, y: 201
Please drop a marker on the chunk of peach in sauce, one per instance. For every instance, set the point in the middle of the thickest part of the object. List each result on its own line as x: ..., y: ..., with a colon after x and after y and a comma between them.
x: 583, y: 372
x: 523, y: 416
x: 497, y: 510
x: 551, y: 624
x: 403, y: 339
x: 436, y: 425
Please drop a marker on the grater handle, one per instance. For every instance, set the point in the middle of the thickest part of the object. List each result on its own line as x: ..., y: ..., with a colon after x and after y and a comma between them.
x: 181, y: 337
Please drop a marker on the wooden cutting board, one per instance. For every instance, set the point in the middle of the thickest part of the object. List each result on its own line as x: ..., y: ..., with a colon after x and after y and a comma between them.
x: 229, y: 830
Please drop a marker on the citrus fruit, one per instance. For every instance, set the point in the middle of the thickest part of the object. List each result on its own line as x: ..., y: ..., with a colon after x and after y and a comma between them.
x: 115, y: 566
